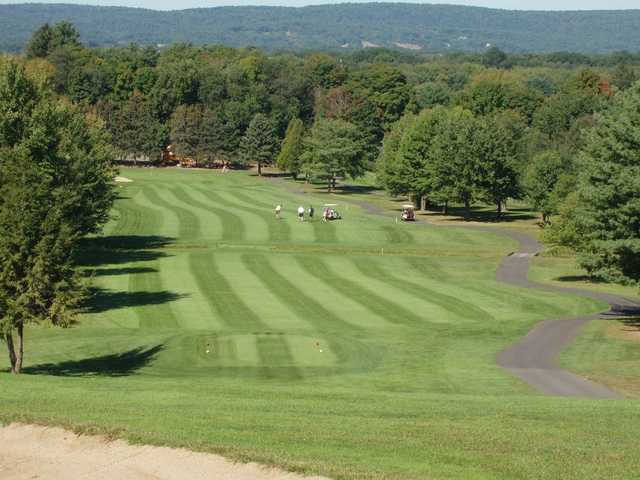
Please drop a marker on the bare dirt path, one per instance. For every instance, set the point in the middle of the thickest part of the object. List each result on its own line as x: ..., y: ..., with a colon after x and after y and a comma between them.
x: 31, y: 451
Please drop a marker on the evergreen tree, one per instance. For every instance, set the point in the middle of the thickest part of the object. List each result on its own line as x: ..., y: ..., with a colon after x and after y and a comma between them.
x: 47, y: 39
x: 185, y: 127
x: 259, y: 142
x: 495, y: 58
x: 39, y: 44
x: 213, y: 133
x: 608, y: 208
x: 292, y: 147
x: 64, y: 34
x: 136, y: 131
x: 624, y: 76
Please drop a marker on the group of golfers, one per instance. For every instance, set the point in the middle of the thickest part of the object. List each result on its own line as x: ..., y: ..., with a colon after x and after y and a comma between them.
x: 328, y: 214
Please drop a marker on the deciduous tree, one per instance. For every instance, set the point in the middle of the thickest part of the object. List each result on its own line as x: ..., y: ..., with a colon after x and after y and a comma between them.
x: 334, y: 149
x: 55, y: 186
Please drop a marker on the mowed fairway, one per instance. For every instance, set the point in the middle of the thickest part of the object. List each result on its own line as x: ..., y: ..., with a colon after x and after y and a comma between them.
x: 217, y: 327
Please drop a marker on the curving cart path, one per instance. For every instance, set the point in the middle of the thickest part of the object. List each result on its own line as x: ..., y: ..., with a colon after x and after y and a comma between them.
x: 533, y: 358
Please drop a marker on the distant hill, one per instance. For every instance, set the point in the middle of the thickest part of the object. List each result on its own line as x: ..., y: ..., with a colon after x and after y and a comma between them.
x: 427, y: 28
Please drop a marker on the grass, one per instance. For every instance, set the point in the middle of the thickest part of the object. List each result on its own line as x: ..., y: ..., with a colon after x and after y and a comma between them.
x: 563, y: 271
x: 608, y: 351
x: 355, y: 349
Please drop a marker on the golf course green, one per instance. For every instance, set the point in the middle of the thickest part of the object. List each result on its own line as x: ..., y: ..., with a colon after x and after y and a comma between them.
x: 358, y: 348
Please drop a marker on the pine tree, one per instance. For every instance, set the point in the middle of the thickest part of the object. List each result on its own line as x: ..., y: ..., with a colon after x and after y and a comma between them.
x: 608, y: 208
x: 292, y: 147
x: 40, y: 42
x: 185, y: 131
x: 259, y: 142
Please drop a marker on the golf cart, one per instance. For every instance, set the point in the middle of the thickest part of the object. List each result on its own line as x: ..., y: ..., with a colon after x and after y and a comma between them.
x: 408, y: 214
x: 329, y: 212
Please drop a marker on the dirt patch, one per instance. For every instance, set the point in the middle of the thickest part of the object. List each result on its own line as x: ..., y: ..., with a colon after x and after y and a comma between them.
x: 123, y: 180
x: 31, y: 451
x: 625, y: 329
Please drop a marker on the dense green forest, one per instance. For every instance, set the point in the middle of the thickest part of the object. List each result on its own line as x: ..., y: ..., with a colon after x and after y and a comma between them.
x: 423, y: 28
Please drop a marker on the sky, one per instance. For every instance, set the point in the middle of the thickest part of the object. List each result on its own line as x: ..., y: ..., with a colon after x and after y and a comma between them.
x: 507, y: 4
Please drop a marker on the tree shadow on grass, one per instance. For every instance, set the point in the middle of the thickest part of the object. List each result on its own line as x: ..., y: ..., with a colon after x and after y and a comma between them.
x: 113, y: 365
x: 101, y: 300
x: 116, y: 249
x: 479, y: 214
x: 273, y: 174
x: 633, y: 322
x: 109, y: 272
x: 355, y: 189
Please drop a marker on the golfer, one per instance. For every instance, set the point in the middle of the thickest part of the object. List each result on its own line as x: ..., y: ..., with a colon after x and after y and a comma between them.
x: 301, y: 213
x: 311, y: 212
x: 278, y: 210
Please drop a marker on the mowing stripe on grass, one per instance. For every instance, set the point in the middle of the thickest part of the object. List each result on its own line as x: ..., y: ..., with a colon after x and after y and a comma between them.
x: 420, y: 307
x: 340, y: 304
x: 306, y: 307
x: 428, y: 267
x: 220, y: 295
x: 136, y: 217
x: 232, y: 226
x: 272, y: 311
x: 373, y: 302
x: 279, y: 230
x: 452, y: 304
x: 276, y: 358
x: 398, y: 234
x: 257, y: 228
x: 153, y: 310
x: 192, y: 310
x: 188, y: 222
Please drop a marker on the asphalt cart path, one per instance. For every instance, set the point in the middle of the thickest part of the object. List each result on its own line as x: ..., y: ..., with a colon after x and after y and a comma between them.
x: 533, y: 358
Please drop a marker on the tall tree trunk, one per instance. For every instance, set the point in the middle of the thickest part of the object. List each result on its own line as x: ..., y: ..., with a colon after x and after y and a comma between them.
x: 445, y: 207
x: 467, y: 207
x: 259, y: 168
x: 423, y: 202
x: 12, y: 352
x: 499, y: 208
x: 20, y: 352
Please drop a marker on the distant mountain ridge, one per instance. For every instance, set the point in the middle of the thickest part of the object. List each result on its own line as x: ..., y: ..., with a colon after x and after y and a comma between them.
x: 415, y: 27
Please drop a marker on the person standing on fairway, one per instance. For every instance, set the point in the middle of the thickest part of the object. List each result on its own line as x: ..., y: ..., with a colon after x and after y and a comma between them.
x: 301, y: 213
x: 311, y: 212
x: 278, y: 210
